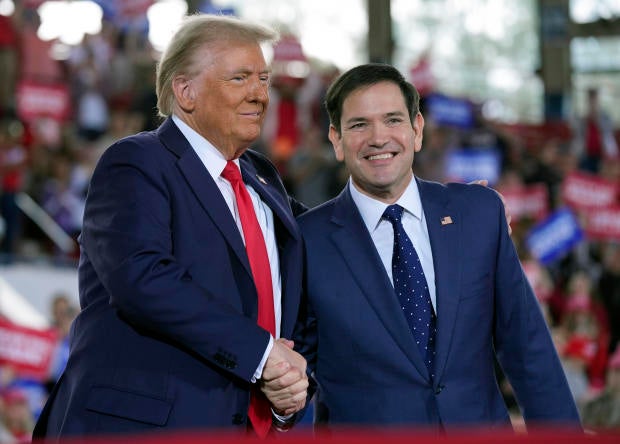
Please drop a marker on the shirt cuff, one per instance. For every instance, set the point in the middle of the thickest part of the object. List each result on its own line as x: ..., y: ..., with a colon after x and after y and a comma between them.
x: 282, y: 423
x: 259, y: 370
x: 283, y: 419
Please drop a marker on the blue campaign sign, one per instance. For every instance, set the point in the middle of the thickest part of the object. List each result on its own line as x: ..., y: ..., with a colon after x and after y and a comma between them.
x: 466, y: 165
x: 449, y: 111
x: 126, y: 14
x: 555, y: 237
x: 208, y: 8
x: 108, y: 7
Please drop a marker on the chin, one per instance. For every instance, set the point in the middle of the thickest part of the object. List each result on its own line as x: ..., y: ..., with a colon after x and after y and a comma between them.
x: 249, y: 136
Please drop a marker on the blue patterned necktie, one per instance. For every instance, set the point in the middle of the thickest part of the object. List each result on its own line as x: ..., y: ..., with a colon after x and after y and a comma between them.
x: 411, y: 288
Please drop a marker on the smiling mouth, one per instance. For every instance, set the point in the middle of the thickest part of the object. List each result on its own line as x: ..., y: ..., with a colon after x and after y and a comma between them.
x: 252, y: 114
x: 380, y: 156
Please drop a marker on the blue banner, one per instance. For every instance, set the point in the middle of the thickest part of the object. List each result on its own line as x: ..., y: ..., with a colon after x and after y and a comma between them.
x: 466, y: 165
x: 555, y: 237
x: 449, y: 111
x: 207, y: 7
x: 108, y: 7
x: 126, y: 15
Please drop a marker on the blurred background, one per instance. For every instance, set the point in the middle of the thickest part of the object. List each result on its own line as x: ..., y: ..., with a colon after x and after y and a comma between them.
x: 523, y: 93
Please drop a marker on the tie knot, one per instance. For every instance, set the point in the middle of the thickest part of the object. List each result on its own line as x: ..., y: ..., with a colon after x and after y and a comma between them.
x: 393, y: 213
x: 231, y: 173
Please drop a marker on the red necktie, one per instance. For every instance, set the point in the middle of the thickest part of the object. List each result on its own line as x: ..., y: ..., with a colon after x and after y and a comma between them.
x: 260, y: 410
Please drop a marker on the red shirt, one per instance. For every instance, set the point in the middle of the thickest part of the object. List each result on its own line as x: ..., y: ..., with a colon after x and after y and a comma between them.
x: 594, y: 141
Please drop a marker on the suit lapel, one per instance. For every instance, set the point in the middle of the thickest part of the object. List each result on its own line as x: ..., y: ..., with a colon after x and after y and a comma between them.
x: 210, y: 198
x: 204, y: 188
x: 352, y: 239
x: 446, y: 247
x: 270, y: 195
x: 287, y: 230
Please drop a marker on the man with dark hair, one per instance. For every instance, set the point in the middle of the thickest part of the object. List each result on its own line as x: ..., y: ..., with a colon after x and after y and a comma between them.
x: 412, y: 289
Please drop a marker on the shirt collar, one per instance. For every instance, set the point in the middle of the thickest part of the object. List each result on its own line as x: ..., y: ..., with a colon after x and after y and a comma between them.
x: 372, y: 209
x: 210, y: 156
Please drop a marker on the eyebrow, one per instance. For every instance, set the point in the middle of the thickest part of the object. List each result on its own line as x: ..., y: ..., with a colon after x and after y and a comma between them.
x: 248, y: 70
x: 395, y: 114
x: 355, y: 120
x: 364, y: 119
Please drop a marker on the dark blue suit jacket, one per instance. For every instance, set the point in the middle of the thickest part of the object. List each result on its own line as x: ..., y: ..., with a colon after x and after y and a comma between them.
x: 167, y: 335
x: 362, y: 354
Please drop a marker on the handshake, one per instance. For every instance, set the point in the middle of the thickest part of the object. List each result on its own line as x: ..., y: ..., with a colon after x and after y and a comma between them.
x: 284, y: 381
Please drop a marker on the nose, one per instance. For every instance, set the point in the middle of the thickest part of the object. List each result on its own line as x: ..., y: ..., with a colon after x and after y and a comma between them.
x: 258, y: 91
x: 378, y: 136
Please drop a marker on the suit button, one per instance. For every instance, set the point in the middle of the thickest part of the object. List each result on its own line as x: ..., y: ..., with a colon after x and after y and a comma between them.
x: 238, y: 419
x: 439, y: 388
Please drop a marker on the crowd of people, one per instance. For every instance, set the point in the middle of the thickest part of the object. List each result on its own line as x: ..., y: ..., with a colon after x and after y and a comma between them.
x: 22, y: 394
x: 111, y: 84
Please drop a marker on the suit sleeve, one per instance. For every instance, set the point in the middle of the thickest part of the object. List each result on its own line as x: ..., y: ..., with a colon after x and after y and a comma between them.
x: 127, y: 236
x: 305, y: 337
x: 523, y: 343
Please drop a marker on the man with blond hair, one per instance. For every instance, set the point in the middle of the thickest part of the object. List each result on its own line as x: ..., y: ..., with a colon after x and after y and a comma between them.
x: 190, y: 270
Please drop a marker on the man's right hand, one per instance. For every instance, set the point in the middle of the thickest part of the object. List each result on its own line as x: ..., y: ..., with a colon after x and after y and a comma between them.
x: 284, y: 380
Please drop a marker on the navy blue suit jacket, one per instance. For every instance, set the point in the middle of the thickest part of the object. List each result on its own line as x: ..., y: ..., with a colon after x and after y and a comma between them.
x: 359, y: 347
x: 167, y: 335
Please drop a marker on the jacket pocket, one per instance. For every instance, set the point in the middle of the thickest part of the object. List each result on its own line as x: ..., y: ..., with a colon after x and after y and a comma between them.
x: 128, y: 405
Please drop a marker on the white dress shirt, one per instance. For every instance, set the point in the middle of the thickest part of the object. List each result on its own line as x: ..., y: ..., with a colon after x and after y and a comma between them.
x: 215, y: 162
x: 382, y: 232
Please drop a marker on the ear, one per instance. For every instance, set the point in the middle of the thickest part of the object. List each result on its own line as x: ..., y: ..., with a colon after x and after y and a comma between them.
x: 418, y: 129
x: 184, y: 93
x: 336, y: 139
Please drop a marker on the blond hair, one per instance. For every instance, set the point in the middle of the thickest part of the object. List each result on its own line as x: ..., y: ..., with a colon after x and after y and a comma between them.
x: 196, y: 32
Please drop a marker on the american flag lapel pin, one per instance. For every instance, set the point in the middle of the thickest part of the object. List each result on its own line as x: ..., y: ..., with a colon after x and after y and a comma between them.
x: 261, y: 180
x: 446, y: 220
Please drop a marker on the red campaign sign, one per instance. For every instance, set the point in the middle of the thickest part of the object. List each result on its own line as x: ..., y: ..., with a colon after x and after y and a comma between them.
x: 531, y: 201
x: 27, y: 350
x: 584, y: 191
x: 603, y: 223
x: 41, y: 100
x: 534, y: 136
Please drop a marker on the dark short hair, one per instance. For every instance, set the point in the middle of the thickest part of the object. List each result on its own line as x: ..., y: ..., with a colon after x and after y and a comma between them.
x: 366, y: 75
